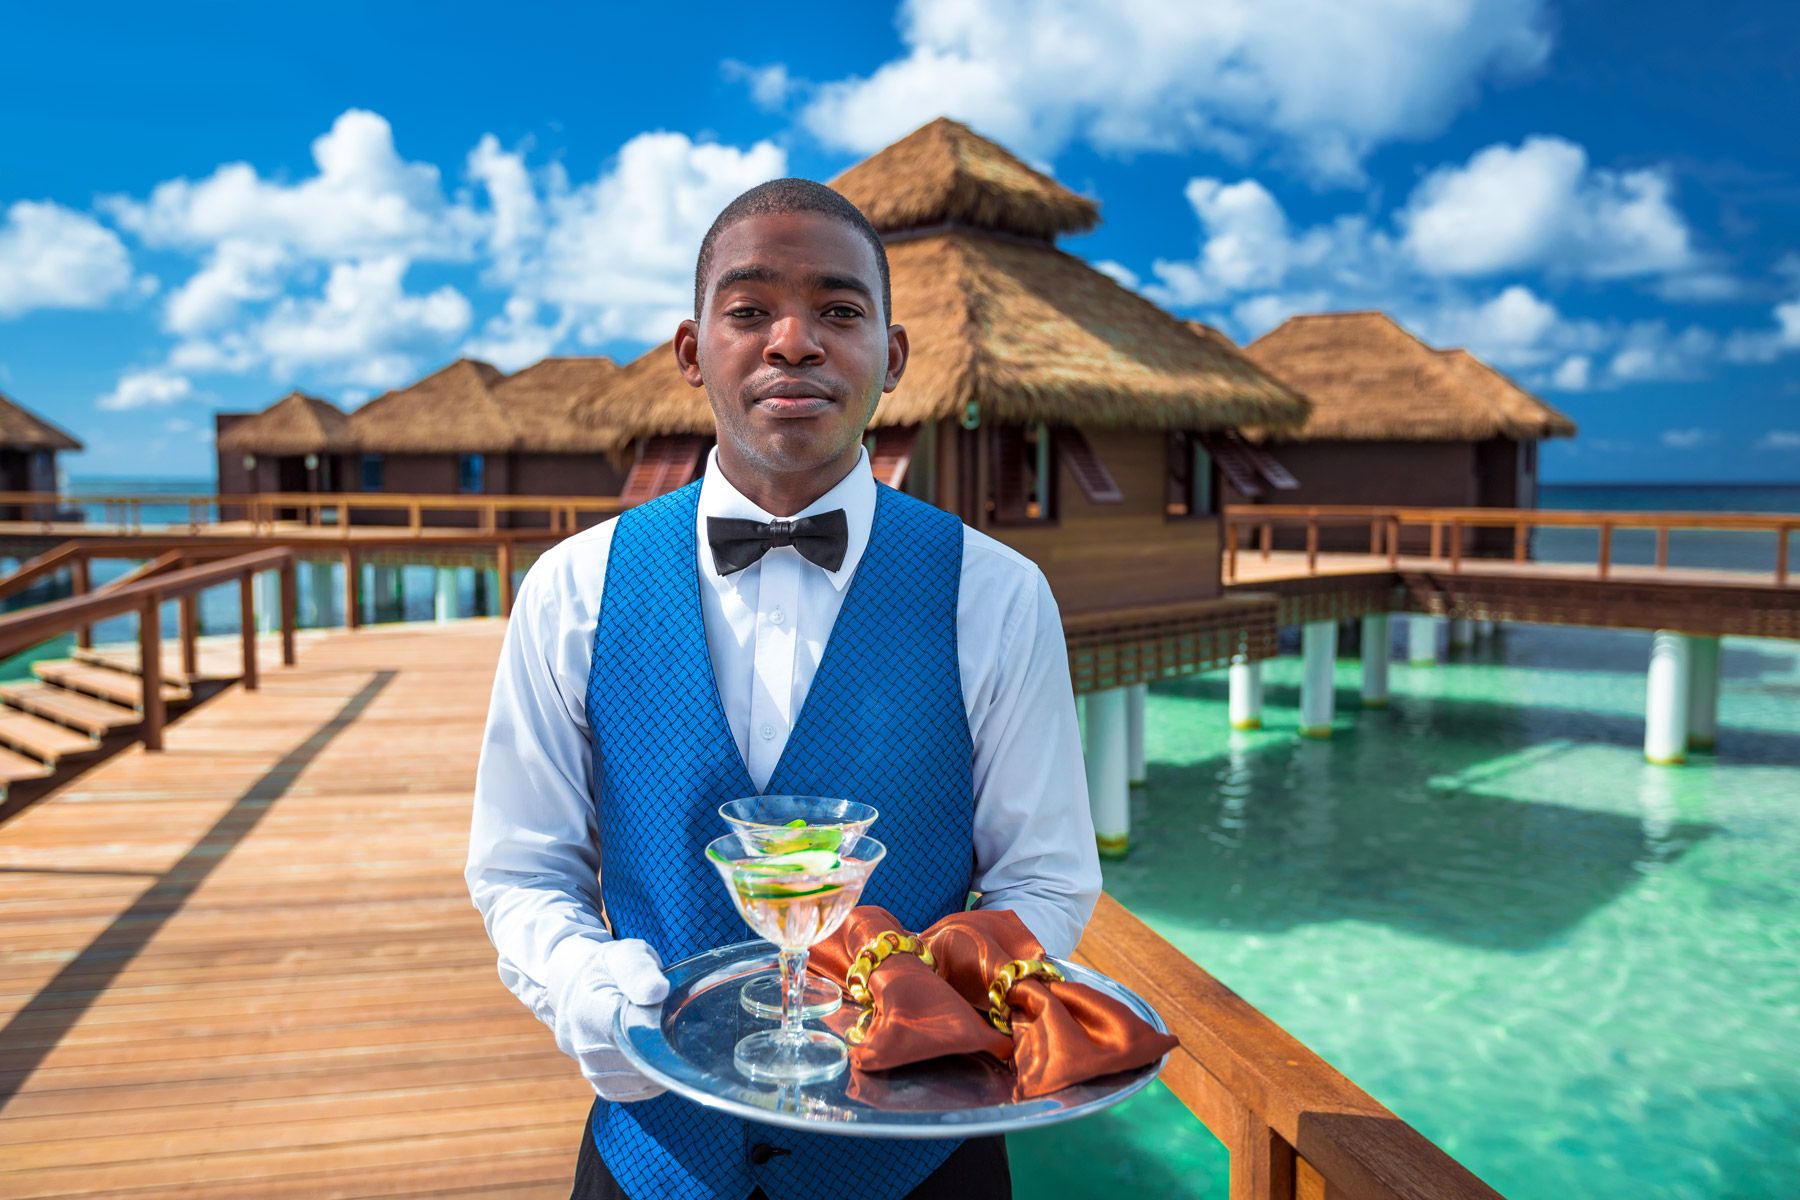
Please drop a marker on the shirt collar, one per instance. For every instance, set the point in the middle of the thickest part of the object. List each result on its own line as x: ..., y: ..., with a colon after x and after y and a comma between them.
x: 854, y: 493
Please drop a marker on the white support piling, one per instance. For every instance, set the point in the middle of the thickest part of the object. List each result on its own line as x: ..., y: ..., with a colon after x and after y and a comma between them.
x: 1486, y: 627
x: 1375, y: 660
x: 1703, y: 693
x: 1462, y: 633
x: 1422, y: 640
x: 1318, y: 647
x: 1109, y: 792
x: 320, y: 587
x: 1666, y: 700
x: 267, y: 598
x: 444, y: 607
x: 1135, y: 698
x: 1245, y: 692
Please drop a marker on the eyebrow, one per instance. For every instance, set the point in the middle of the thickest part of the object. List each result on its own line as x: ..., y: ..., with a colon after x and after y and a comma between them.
x: 759, y: 273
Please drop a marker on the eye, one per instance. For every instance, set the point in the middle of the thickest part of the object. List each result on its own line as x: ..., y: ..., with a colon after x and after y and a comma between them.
x: 843, y: 312
x: 742, y: 312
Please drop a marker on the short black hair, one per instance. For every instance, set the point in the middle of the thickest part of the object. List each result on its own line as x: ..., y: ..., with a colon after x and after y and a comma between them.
x: 791, y: 196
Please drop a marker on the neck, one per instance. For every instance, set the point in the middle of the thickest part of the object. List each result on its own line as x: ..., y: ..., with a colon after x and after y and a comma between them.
x: 783, y: 494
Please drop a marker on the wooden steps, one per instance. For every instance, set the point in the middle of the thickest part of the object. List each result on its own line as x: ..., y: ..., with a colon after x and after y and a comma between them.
x: 91, y: 716
x: 105, y: 683
x: 42, y: 739
x: 17, y: 768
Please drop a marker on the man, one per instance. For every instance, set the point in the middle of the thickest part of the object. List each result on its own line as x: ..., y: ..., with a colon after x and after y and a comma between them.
x: 783, y: 625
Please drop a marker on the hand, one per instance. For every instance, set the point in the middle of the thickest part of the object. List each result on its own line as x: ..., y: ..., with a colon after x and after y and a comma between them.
x: 624, y: 972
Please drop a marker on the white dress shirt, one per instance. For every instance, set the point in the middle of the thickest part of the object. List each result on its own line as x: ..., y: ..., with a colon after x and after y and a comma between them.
x: 533, y: 847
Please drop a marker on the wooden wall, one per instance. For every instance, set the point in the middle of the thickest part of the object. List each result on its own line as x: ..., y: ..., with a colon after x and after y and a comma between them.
x: 1101, y: 556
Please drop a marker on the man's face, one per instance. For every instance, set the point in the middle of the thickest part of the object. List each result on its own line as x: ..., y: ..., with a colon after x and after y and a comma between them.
x: 791, y: 345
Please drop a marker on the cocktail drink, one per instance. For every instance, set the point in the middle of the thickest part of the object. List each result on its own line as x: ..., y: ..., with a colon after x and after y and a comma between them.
x: 773, y: 825
x: 793, y: 900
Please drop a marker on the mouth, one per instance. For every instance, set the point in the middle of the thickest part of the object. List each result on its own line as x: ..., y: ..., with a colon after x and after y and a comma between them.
x: 794, y: 400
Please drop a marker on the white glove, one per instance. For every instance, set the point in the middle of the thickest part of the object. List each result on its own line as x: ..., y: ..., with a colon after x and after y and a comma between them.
x: 623, y: 972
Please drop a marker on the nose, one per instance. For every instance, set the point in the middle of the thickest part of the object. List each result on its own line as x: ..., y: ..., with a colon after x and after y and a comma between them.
x: 793, y: 343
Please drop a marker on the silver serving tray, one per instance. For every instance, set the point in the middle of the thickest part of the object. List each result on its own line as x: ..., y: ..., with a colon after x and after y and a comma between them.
x: 685, y: 1044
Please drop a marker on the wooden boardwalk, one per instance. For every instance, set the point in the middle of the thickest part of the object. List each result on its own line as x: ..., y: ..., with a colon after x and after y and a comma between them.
x: 248, y: 967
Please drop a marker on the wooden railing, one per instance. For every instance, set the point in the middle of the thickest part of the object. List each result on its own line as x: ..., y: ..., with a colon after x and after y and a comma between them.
x: 1296, y: 1129
x: 145, y: 597
x: 265, y: 511
x: 1253, y: 528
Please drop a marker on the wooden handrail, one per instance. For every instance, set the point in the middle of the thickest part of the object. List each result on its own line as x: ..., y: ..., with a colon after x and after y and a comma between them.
x: 1295, y: 1127
x: 55, y: 559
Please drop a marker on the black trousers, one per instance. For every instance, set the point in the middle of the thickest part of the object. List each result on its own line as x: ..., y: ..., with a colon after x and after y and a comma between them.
x: 976, y: 1171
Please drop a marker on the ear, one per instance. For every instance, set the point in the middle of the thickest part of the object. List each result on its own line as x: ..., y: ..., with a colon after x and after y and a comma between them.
x: 898, y: 348
x: 687, y: 352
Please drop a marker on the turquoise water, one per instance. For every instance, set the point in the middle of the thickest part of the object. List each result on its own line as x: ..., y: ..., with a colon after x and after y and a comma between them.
x: 1577, y: 973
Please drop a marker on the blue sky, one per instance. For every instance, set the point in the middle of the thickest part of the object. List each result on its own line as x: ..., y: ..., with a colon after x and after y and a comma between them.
x: 206, y: 206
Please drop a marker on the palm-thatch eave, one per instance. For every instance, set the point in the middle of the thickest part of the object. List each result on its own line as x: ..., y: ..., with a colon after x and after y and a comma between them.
x: 297, y: 424
x: 22, y: 429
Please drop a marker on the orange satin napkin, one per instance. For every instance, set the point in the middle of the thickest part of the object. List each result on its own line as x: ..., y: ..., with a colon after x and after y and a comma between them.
x: 1062, y: 1033
x: 917, y: 1016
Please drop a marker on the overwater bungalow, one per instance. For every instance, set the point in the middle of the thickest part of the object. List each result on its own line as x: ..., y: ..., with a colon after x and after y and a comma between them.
x: 1397, y: 422
x: 28, y: 449
x: 1043, y: 403
x: 467, y: 429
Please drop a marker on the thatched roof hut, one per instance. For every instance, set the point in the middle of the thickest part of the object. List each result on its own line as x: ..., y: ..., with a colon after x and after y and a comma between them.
x: 1003, y: 325
x: 294, y: 425
x: 450, y: 411
x: 1369, y: 379
x: 22, y: 429
x: 539, y: 402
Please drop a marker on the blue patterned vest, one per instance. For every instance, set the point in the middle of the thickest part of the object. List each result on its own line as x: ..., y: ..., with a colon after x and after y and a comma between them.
x: 884, y: 722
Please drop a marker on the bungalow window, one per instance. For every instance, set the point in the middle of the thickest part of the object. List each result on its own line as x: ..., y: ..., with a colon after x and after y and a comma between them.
x: 1192, y: 492
x: 374, y: 469
x: 471, y: 472
x: 1022, y: 481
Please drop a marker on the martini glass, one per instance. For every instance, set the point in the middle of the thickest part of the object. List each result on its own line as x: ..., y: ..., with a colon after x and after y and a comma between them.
x: 794, y: 901
x: 782, y: 825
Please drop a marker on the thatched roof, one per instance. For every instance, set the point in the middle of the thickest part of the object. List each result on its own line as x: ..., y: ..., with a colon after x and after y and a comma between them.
x: 1371, y: 380
x: 1027, y: 333
x: 539, y: 403
x: 22, y: 429
x: 945, y: 173
x: 295, y: 424
x: 452, y: 411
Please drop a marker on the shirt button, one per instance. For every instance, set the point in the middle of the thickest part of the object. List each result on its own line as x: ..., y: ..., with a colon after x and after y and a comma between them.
x: 777, y: 617
x: 768, y: 732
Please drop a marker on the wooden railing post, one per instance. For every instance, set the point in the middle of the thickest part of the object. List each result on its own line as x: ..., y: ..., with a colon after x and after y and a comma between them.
x: 247, y: 623
x: 352, y: 592
x: 80, y: 583
x: 1605, y: 549
x: 289, y: 609
x: 150, y: 669
x: 415, y: 517
x: 1521, y: 541
x: 504, y: 569
x: 1662, y: 547
x: 1782, y: 533
x: 190, y: 634
x: 1268, y: 539
x: 1262, y: 1162
x: 1437, y: 540
x: 1456, y: 542
x: 1231, y: 550
x: 1374, y: 536
x: 1312, y: 545
x: 1393, y: 541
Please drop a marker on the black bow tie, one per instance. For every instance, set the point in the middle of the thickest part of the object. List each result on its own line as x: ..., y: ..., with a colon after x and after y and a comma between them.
x: 821, y: 539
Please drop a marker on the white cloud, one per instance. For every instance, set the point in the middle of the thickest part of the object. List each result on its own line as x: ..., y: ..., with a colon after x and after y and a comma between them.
x: 1688, y: 439
x: 54, y: 257
x: 364, y: 201
x: 1119, y: 273
x: 1574, y: 374
x: 1541, y: 206
x: 770, y: 86
x: 236, y: 273
x: 150, y: 388
x: 1779, y: 439
x: 1327, y: 80
x: 615, y: 257
x: 515, y: 338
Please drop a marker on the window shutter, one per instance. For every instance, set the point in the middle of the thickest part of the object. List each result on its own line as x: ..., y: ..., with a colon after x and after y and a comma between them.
x: 1012, y: 487
x: 1228, y: 450
x: 664, y: 464
x: 1269, y: 468
x: 1178, y: 463
x: 893, y: 453
x: 1096, y: 482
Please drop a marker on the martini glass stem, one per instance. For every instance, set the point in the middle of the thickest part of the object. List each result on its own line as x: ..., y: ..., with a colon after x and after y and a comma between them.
x: 793, y: 993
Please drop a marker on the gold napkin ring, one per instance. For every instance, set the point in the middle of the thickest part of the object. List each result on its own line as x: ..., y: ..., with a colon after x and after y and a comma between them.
x: 999, y: 1011
x: 874, y: 952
